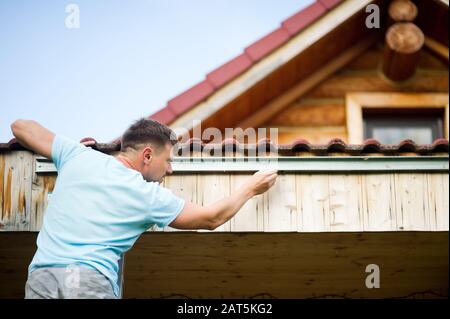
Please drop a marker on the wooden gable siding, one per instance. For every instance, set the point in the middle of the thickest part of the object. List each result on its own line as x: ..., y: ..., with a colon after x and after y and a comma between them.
x: 287, y: 75
x: 320, y: 115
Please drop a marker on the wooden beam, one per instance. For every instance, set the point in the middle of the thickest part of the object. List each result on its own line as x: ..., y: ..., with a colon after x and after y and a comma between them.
x: 313, y: 112
x: 439, y: 50
x: 402, y: 11
x: 301, y: 88
x: 402, y: 48
x: 338, y: 85
x: 446, y: 121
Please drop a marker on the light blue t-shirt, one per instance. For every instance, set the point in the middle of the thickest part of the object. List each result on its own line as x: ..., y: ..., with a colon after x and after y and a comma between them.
x: 97, y: 210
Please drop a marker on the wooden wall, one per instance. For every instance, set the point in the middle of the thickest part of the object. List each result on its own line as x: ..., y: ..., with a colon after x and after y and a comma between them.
x: 297, y: 202
x: 311, y: 236
x: 263, y: 265
x: 371, y: 202
x: 15, y: 190
x: 329, y: 202
x: 319, y: 115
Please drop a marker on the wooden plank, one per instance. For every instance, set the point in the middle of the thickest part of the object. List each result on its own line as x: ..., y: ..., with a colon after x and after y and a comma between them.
x: 184, y: 186
x: 251, y: 215
x: 339, y: 85
x: 446, y: 122
x: 15, y: 190
x: 437, y: 194
x: 379, y: 202
x: 371, y: 59
x: 346, y: 207
x: 400, y: 100
x: 314, y: 203
x: 413, y: 211
x: 440, y: 50
x: 281, y: 213
x: 155, y: 227
x: 211, y: 188
x: 287, y: 265
x: 314, y: 135
x: 355, y: 126
x: 312, y: 112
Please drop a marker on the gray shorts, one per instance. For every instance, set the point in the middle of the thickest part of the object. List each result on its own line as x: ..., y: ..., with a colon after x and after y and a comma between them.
x: 71, y: 282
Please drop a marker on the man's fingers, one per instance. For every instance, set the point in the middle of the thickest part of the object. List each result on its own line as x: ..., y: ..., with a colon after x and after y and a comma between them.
x: 266, y: 172
x: 88, y: 143
x: 272, y: 176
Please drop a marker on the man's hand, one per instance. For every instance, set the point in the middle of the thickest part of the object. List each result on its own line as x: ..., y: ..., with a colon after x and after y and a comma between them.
x: 261, y: 181
x: 88, y: 141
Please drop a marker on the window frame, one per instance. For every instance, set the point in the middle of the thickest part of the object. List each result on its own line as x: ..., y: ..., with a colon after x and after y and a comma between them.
x: 357, y: 102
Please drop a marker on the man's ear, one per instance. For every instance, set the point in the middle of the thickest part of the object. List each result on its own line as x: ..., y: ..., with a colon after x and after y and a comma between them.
x: 148, y: 154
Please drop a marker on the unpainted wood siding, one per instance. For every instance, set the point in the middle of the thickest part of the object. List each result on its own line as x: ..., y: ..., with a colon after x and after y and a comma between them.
x: 296, y: 203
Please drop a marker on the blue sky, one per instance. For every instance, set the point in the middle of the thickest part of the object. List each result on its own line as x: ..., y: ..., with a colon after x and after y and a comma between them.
x: 127, y: 59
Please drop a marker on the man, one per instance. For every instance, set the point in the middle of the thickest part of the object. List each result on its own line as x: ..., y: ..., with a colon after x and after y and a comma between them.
x: 101, y: 204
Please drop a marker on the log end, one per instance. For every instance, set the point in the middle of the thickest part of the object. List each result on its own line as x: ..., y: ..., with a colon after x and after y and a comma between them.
x: 402, y: 11
x: 405, y: 38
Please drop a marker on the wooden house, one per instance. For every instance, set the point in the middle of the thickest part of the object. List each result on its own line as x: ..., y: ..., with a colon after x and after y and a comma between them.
x: 357, y: 91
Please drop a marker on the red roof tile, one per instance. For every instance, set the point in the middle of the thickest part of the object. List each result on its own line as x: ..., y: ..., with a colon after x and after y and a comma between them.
x: 164, y: 115
x: 302, y: 19
x: 333, y: 146
x: 330, y: 4
x: 183, y: 102
x: 229, y: 70
x: 336, y: 145
x: 267, y: 44
x: 300, y: 145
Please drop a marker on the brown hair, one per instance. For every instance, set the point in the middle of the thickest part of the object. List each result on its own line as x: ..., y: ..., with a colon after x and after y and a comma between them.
x: 146, y: 131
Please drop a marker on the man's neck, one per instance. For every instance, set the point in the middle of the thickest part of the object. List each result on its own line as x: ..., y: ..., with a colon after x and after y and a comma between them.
x: 126, y: 161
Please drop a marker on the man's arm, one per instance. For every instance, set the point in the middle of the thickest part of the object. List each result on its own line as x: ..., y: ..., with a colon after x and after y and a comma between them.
x: 210, y: 217
x: 33, y: 136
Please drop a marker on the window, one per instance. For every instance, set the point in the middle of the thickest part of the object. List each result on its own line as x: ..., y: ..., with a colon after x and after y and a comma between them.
x: 391, y: 126
x: 392, y: 117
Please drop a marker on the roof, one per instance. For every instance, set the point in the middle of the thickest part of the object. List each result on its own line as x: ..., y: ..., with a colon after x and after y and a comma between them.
x: 253, y: 53
x: 299, y: 147
x: 287, y: 31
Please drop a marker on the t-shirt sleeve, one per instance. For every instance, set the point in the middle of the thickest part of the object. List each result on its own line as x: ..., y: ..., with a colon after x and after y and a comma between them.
x: 64, y: 149
x: 164, y: 206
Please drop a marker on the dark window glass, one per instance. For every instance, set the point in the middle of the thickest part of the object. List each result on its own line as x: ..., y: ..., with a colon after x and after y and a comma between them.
x: 391, y: 126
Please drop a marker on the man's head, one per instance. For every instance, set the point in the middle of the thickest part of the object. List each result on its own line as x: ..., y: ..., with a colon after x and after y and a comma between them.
x: 148, y: 144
